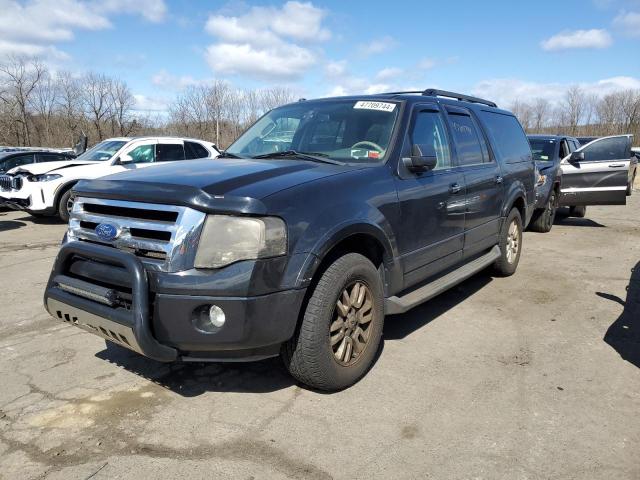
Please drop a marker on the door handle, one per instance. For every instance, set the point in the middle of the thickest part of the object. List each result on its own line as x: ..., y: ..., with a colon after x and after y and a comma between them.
x: 616, y: 165
x: 455, y: 188
x: 499, y: 179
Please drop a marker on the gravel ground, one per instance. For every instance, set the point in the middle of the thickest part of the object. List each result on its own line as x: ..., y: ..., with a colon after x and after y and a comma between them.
x: 532, y: 377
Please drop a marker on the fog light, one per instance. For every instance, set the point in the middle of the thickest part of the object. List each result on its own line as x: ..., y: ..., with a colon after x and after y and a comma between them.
x: 209, y: 318
x: 216, y: 316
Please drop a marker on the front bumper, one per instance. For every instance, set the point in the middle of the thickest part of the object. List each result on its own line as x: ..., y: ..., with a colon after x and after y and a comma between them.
x: 160, y: 325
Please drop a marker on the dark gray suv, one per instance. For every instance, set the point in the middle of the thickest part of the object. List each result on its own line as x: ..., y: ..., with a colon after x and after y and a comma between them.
x: 324, y: 217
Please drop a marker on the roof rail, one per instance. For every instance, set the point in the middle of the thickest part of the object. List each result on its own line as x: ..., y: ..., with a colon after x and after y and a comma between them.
x: 433, y: 92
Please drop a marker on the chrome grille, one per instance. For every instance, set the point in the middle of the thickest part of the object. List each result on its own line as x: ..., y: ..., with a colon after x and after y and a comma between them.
x: 5, y: 183
x: 165, y: 237
x: 10, y: 182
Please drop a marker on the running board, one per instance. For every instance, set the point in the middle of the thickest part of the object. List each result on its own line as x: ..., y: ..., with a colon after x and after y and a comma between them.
x: 395, y: 305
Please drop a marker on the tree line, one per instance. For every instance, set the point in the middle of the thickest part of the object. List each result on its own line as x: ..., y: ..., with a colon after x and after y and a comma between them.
x: 39, y: 107
x: 583, y: 114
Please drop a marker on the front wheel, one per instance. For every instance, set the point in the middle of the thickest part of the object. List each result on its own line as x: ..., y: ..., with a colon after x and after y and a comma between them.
x: 65, y: 205
x: 578, y: 211
x: 543, y: 219
x: 340, y: 332
x: 510, y: 245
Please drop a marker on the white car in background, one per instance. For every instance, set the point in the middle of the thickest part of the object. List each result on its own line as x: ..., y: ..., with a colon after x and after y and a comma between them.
x: 45, y: 188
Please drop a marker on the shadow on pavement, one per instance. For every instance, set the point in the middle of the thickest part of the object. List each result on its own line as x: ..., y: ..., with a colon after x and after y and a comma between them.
x: 624, y: 334
x: 6, y: 225
x: 194, y: 379
x: 577, y: 222
x: 48, y: 220
x: 397, y: 327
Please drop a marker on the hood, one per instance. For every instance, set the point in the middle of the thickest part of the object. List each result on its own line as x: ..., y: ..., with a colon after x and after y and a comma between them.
x: 49, y: 167
x: 206, y: 184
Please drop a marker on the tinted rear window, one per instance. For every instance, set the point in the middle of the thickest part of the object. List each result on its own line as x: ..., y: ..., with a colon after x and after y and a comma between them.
x: 195, y: 150
x: 507, y: 136
x: 168, y: 152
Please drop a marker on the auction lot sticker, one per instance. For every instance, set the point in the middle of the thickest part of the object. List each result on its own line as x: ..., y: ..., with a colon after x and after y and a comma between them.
x: 382, y: 106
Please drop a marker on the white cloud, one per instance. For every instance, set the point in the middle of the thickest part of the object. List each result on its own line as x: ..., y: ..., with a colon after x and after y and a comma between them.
x: 34, y: 28
x: 283, y: 60
x: 505, y: 91
x: 267, y: 42
x: 377, y: 46
x: 628, y: 23
x: 164, y: 79
x: 594, y: 38
x: 335, y: 69
x: 147, y: 104
x: 390, y: 73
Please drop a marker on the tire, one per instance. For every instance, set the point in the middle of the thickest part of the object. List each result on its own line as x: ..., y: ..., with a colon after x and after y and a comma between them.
x: 543, y: 218
x: 310, y: 356
x: 578, y: 211
x: 66, y: 199
x: 630, y: 186
x: 510, y: 245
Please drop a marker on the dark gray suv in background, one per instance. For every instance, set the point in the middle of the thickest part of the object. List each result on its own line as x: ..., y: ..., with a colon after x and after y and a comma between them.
x: 324, y: 217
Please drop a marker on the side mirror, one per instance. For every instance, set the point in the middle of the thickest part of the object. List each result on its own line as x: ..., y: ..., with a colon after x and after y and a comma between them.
x: 422, y: 159
x: 124, y: 158
x: 576, y: 157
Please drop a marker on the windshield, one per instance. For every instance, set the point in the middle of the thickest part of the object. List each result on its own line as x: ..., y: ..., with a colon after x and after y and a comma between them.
x: 342, y: 130
x: 103, y: 150
x: 543, y: 150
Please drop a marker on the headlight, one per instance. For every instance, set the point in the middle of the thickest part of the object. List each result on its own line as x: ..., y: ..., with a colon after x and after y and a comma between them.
x: 226, y: 239
x: 46, y: 177
x: 540, y: 179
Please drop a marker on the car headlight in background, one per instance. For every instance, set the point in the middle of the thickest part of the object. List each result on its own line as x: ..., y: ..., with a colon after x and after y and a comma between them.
x: 226, y: 239
x: 46, y: 177
x: 540, y: 179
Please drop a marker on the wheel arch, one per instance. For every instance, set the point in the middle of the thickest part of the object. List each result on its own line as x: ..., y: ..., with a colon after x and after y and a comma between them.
x: 363, y: 238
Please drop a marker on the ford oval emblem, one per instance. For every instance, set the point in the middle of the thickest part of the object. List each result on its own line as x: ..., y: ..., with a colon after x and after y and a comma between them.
x: 107, y: 232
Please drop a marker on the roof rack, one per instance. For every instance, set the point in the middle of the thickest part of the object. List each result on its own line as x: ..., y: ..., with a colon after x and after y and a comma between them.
x: 433, y: 92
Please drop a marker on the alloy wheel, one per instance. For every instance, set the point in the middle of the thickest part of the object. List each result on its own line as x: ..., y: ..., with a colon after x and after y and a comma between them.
x: 513, y: 242
x: 350, y: 330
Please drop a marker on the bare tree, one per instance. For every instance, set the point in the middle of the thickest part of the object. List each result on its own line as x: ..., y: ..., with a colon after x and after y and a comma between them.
x: 540, y: 111
x: 44, y: 101
x: 575, y: 103
x: 122, y: 102
x: 21, y: 78
x: 96, y: 98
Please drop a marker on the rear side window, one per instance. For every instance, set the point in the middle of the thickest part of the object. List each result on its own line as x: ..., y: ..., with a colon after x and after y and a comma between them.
x: 508, y: 137
x: 168, y: 152
x: 467, y: 138
x: 607, y: 149
x: 194, y: 150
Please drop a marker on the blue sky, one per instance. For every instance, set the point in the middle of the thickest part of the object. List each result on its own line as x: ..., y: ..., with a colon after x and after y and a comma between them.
x: 499, y: 49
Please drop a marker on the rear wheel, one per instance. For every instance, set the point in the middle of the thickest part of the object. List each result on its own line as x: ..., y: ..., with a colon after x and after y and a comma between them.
x: 543, y: 218
x: 510, y: 245
x: 578, y: 211
x: 340, y: 332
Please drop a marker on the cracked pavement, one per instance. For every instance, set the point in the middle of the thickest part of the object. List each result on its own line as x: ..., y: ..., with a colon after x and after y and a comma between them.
x: 532, y: 377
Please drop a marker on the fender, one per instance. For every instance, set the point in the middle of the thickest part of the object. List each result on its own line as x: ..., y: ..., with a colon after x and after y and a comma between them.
x: 516, y: 190
x: 392, y: 273
x: 60, y: 191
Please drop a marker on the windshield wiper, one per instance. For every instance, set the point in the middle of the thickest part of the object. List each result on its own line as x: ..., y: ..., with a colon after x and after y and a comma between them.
x: 313, y: 156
